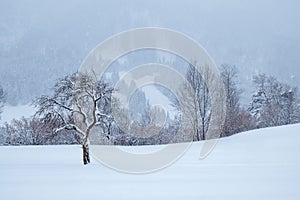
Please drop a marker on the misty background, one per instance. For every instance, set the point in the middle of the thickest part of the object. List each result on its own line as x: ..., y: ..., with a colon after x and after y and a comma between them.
x: 41, y: 41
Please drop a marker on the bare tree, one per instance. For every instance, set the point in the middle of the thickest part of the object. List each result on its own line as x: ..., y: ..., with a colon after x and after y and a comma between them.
x: 197, y: 104
x: 75, y: 105
x: 291, y: 105
x: 233, y: 112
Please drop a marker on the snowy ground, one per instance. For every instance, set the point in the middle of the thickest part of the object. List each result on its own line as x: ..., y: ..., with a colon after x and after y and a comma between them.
x: 262, y: 164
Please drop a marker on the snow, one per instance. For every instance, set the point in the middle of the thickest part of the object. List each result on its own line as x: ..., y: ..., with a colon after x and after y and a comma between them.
x: 156, y: 97
x: 260, y: 164
x: 16, y: 112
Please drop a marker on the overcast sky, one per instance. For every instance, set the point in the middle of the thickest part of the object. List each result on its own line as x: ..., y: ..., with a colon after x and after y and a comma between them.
x: 257, y: 35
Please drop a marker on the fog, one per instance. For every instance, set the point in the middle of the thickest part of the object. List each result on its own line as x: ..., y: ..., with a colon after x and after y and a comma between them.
x: 41, y: 41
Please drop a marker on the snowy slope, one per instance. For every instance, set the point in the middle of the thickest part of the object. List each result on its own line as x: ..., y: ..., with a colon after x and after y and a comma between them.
x: 16, y: 112
x: 261, y: 164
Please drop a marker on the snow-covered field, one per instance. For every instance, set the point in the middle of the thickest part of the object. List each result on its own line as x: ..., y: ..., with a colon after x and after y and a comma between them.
x: 262, y: 164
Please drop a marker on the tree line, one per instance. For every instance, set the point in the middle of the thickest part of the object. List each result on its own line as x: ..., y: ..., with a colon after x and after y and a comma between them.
x: 79, y: 111
x: 273, y: 103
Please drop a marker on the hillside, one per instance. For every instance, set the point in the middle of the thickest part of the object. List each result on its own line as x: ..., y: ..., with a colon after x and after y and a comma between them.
x: 260, y: 164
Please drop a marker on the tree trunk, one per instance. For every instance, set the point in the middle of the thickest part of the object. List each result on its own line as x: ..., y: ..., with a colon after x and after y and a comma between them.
x: 86, y: 153
x: 197, y: 134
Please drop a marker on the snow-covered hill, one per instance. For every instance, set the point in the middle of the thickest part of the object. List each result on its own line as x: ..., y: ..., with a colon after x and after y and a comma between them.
x: 41, y: 41
x: 261, y: 164
x: 16, y: 112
